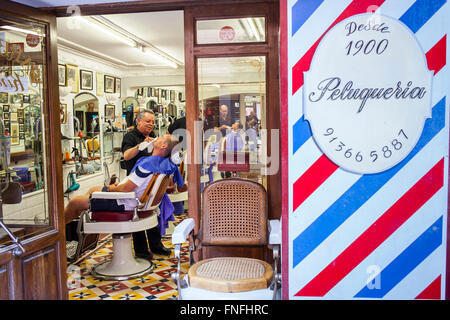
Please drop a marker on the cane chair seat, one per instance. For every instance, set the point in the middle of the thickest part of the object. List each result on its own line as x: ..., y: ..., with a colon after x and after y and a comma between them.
x: 230, y: 274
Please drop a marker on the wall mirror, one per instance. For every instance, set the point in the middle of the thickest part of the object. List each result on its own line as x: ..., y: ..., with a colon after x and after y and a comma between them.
x: 130, y: 106
x: 86, y: 144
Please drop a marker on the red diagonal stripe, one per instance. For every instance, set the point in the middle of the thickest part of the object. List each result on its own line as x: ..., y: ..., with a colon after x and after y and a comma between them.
x: 320, y: 171
x: 377, y: 233
x: 433, y: 291
x: 356, y: 7
x: 436, y: 56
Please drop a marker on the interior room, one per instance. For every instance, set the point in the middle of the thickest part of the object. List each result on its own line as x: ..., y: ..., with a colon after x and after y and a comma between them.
x: 111, y: 67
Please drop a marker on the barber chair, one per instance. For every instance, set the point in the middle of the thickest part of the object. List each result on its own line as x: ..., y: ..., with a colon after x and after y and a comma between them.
x: 232, y: 161
x: 234, y: 214
x: 124, y: 265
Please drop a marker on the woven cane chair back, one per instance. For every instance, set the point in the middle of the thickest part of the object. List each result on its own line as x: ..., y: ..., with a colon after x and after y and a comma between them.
x: 234, y: 213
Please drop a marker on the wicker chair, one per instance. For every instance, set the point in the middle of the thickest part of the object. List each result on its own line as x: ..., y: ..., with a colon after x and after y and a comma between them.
x: 234, y: 214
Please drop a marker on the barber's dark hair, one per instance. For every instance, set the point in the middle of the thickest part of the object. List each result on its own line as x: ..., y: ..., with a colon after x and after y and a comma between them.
x: 141, y: 113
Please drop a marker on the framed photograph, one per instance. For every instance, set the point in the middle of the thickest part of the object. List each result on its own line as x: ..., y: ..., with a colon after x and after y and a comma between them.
x: 100, y: 83
x: 6, y: 108
x: 20, y: 113
x: 21, y: 135
x: 13, y: 116
x: 72, y: 77
x: 109, y: 84
x: 172, y: 95
x: 15, y: 133
x: 26, y: 98
x: 5, y: 115
x: 20, y: 120
x: 118, y: 87
x: 62, y: 75
x: 21, y: 127
x: 180, y: 96
x: 7, y: 124
x: 4, y: 97
x: 87, y: 80
x: 110, y: 112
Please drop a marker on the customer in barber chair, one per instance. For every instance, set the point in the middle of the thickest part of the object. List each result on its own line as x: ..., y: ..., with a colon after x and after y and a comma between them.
x: 136, y: 181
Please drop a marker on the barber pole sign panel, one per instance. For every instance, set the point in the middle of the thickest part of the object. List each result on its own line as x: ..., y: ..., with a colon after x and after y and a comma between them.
x: 367, y: 95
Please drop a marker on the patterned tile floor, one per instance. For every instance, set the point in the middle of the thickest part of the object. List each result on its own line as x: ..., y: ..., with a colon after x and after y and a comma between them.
x: 156, y: 285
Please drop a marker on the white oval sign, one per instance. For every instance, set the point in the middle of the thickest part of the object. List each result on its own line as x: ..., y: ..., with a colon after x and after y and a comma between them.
x: 367, y: 93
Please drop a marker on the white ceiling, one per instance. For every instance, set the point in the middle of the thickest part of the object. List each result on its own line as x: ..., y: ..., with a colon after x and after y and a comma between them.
x: 149, y: 28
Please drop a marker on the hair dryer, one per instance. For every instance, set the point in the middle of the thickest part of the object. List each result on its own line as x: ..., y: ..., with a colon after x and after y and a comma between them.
x: 73, y: 184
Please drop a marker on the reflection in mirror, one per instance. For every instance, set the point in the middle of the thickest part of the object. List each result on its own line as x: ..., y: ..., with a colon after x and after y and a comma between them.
x: 233, y: 112
x: 86, y: 145
x: 23, y: 163
x: 130, y: 107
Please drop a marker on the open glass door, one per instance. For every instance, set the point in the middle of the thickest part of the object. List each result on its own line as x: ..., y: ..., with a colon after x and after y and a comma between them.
x: 32, y: 256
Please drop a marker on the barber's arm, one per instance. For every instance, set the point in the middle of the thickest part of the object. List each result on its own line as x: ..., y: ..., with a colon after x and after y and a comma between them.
x: 132, y: 152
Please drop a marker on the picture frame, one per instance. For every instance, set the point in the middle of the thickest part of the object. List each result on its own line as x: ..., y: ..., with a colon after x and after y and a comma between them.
x: 4, y: 97
x: 72, y: 77
x: 15, y: 133
x: 172, y: 95
x: 118, y: 87
x: 6, y: 108
x: 20, y: 113
x: 109, y: 84
x: 140, y: 92
x: 6, y: 115
x: 21, y: 127
x: 87, y: 80
x: 100, y: 83
x: 7, y: 124
x: 21, y: 135
x: 63, y: 112
x: 20, y: 120
x: 62, y: 75
x: 26, y: 98
x: 13, y: 116
x: 110, y: 110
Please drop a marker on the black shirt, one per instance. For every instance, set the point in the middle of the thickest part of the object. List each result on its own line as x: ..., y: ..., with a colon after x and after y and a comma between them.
x: 130, y: 140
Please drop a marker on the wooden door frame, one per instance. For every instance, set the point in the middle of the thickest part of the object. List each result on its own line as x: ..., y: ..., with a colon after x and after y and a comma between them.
x: 54, y: 238
x: 193, y: 51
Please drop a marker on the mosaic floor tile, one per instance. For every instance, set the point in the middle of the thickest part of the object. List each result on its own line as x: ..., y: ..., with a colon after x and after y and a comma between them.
x: 155, y: 286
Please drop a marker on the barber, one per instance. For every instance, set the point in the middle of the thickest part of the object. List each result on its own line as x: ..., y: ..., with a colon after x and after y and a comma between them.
x: 143, y: 132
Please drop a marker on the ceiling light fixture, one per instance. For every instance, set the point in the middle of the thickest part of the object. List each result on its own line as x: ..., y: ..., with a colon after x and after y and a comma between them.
x: 251, y: 23
x: 155, y: 54
x: 91, y: 51
x: 114, y: 35
x: 22, y: 30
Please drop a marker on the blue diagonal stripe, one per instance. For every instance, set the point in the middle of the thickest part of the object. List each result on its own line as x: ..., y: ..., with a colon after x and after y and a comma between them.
x: 407, y: 261
x: 361, y: 191
x: 301, y: 11
x: 415, y: 17
x: 420, y: 12
x: 301, y: 132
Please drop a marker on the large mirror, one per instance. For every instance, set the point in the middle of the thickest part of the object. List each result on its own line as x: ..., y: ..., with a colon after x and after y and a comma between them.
x: 86, y: 144
x: 130, y: 107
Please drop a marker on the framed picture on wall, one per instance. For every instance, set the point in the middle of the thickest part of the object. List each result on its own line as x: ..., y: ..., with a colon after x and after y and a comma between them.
x: 109, y: 84
x: 110, y: 112
x: 72, y: 77
x: 100, y: 83
x: 62, y: 75
x: 13, y: 116
x: 15, y: 133
x: 87, y: 80
x: 4, y: 97
x: 118, y: 87
x: 172, y: 95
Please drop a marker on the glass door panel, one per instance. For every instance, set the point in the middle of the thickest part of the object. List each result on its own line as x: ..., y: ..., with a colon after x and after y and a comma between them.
x: 23, y: 90
x: 232, y: 108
